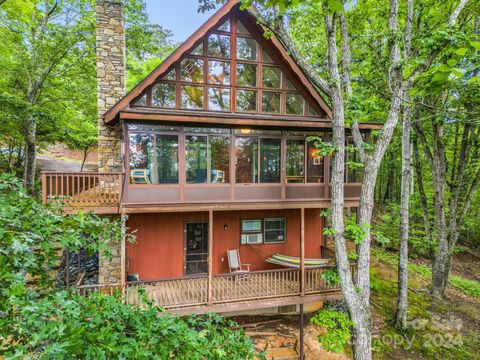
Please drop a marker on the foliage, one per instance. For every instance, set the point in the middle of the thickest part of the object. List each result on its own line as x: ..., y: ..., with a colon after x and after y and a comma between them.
x: 338, y: 329
x: 466, y: 286
x: 63, y: 325
x: 331, y: 277
x: 39, y: 321
x: 32, y: 237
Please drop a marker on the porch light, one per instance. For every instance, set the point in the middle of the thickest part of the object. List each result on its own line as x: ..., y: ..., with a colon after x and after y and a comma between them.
x: 225, y: 227
x: 245, y: 131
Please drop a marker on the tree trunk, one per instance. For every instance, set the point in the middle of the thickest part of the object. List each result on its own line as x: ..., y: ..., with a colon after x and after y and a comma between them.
x: 30, y: 154
x: 402, y: 294
x: 85, y: 153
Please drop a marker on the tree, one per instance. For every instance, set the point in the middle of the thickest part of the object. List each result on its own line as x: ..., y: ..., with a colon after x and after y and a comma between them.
x: 397, y: 78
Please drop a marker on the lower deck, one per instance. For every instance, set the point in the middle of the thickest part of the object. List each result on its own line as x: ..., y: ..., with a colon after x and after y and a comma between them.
x: 229, y: 292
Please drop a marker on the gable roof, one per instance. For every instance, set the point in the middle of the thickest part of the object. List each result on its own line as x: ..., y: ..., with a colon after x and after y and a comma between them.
x: 220, y: 15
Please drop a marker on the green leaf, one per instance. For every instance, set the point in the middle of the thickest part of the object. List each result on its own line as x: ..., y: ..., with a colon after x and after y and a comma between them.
x: 461, y: 51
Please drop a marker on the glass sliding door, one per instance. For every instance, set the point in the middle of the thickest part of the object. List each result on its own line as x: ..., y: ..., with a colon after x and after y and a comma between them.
x: 142, y: 161
x: 167, y: 159
x: 246, y: 160
x: 295, y: 167
x: 270, y: 160
x: 196, y: 158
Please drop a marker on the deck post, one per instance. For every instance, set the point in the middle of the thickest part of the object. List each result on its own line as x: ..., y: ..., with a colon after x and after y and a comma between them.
x: 123, y: 270
x: 67, y: 268
x: 302, y: 355
x: 210, y: 254
x: 302, y: 250
x: 44, y: 188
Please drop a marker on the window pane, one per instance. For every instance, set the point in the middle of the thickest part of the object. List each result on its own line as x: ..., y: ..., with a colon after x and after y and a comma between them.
x: 191, y: 70
x: 246, y: 75
x: 271, y: 77
x: 314, y: 165
x: 294, y: 104
x: 196, y: 159
x: 219, y: 72
x: 269, y: 160
x: 141, y: 158
x: 251, y: 225
x: 266, y: 57
x: 219, y: 45
x: 290, y: 86
x: 151, y: 127
x: 219, y: 149
x: 142, y: 101
x: 219, y: 99
x: 225, y: 26
x: 271, y: 102
x: 170, y: 75
x: 198, y: 50
x: 192, y: 97
x: 163, y: 95
x: 312, y: 111
x: 241, y: 28
x: 246, y: 100
x: 167, y: 159
x: 275, y: 230
x: 295, y: 169
x: 207, y: 130
x: 246, y: 48
x: 246, y: 159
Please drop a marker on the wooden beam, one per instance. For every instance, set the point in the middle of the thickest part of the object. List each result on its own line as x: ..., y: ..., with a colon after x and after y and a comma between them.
x: 302, y: 250
x: 210, y: 255
x: 266, y: 205
x: 259, y: 304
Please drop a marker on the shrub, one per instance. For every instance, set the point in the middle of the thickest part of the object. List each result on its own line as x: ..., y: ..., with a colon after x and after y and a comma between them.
x: 338, y: 329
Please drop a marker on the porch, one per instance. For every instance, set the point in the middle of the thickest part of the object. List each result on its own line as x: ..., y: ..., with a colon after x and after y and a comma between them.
x: 227, y: 292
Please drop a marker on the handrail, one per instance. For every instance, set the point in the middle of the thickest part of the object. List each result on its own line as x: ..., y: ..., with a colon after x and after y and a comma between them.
x: 80, y: 189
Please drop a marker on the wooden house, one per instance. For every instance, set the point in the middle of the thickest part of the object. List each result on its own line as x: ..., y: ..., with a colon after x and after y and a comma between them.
x: 209, y: 153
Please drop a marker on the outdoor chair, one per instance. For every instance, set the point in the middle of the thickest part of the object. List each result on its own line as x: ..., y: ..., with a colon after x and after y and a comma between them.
x: 241, y: 271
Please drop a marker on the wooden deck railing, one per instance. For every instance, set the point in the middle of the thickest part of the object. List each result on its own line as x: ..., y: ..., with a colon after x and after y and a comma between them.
x: 82, y: 189
x: 226, y: 288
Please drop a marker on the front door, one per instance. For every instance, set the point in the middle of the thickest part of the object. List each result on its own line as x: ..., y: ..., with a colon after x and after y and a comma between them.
x: 196, y: 248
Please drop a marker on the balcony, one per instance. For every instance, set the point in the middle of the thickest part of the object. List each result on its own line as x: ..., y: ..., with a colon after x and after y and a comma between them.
x: 98, y: 192
x: 227, y: 292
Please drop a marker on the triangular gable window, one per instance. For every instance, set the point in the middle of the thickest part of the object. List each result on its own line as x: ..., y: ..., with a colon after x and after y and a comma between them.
x: 214, y: 76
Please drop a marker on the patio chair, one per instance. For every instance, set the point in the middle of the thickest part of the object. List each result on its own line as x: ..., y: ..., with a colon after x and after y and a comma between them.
x: 241, y: 271
x: 139, y: 176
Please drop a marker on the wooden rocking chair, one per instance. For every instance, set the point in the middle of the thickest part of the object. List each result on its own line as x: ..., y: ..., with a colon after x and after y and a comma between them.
x: 241, y: 271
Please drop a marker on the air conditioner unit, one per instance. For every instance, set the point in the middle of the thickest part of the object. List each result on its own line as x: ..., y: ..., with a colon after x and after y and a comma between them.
x: 254, y: 238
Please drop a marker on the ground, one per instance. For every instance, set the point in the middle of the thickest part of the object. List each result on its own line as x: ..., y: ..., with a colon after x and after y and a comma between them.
x: 448, y: 329
x: 60, y: 158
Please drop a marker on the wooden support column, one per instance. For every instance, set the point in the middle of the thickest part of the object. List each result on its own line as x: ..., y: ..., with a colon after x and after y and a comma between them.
x: 302, y: 250
x: 123, y: 257
x: 67, y: 268
x: 210, y: 254
x: 302, y: 355
x: 44, y: 188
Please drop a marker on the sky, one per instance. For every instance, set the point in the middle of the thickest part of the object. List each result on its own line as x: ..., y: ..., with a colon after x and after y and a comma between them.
x: 178, y: 16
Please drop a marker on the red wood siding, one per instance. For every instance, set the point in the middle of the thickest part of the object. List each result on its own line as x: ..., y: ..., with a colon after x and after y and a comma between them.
x: 158, y: 252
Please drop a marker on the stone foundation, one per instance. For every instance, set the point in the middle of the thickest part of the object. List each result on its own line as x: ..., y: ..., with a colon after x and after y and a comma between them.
x: 109, y: 269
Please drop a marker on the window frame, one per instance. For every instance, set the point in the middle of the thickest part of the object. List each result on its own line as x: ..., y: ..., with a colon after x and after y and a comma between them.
x: 233, y: 60
x: 263, y: 221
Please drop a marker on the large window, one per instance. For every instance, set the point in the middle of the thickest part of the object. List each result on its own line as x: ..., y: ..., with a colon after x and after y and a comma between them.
x: 303, y: 158
x: 207, y: 159
x: 230, y: 72
x: 250, y: 163
x: 267, y: 231
x: 153, y: 156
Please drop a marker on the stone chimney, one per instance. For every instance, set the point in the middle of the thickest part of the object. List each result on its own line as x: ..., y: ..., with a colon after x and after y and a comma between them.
x: 110, y: 89
x: 110, y: 79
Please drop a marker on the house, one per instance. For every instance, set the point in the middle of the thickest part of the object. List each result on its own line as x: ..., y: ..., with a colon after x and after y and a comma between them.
x: 207, y: 154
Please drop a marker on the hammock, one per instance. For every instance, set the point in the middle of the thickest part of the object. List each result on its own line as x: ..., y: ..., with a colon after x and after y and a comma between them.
x: 291, y: 261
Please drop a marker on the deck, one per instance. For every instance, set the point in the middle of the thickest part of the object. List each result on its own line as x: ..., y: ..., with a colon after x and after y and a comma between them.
x: 228, y: 291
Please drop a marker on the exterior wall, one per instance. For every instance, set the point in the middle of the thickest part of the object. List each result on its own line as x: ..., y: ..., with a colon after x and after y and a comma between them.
x: 109, y: 268
x: 159, y: 250
x: 110, y: 79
